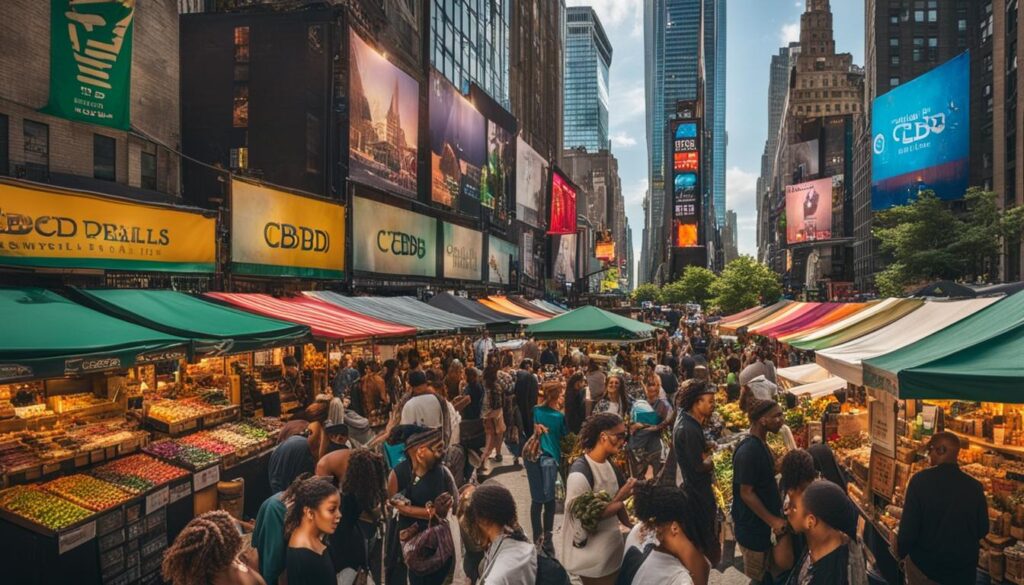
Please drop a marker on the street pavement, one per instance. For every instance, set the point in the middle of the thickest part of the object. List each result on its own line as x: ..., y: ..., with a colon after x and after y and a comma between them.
x: 514, y: 478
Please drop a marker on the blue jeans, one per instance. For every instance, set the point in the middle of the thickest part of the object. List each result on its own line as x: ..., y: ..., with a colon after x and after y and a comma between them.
x: 541, y: 476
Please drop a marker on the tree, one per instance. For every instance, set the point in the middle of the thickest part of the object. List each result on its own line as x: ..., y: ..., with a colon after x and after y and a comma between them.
x: 694, y: 286
x: 744, y: 283
x: 646, y: 292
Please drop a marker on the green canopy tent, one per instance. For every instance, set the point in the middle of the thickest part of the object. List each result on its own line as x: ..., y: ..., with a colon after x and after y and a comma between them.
x: 214, y: 329
x: 977, y: 359
x: 592, y: 324
x: 49, y: 336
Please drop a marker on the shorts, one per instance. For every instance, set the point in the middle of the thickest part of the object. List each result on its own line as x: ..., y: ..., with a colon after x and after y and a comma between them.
x: 542, y: 476
x: 756, y: 564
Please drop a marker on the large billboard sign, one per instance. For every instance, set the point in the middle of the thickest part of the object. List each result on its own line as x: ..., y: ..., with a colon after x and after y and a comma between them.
x: 531, y: 171
x: 383, y: 121
x: 462, y: 250
x: 921, y: 136
x: 563, y: 205
x: 501, y: 256
x: 809, y: 211
x: 564, y: 267
x: 390, y: 240
x: 458, y: 144
x: 499, y: 172
x: 685, y: 185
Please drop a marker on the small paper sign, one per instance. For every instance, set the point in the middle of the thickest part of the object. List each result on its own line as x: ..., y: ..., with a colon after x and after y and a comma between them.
x: 206, y: 478
x: 157, y: 500
x: 177, y: 492
x: 71, y: 539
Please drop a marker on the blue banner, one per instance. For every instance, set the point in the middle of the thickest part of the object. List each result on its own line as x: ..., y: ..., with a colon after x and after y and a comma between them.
x: 921, y: 136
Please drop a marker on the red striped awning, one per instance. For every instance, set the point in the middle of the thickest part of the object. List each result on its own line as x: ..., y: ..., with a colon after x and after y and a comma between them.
x: 327, y: 321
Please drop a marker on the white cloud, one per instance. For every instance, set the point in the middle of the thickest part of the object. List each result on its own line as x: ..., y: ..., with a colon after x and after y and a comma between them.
x: 790, y: 33
x: 634, y: 195
x: 616, y: 13
x: 628, y: 100
x: 622, y: 139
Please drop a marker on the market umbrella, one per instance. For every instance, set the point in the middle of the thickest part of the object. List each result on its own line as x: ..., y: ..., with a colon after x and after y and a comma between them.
x: 591, y: 324
x: 927, y: 368
x: 49, y: 336
x: 214, y: 328
x: 845, y: 360
x: 947, y: 289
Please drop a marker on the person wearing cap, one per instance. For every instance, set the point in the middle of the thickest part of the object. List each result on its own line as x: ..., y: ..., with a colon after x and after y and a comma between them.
x: 757, y: 504
x: 944, y: 517
x: 423, y: 407
x: 420, y: 489
x: 696, y: 470
x: 826, y: 517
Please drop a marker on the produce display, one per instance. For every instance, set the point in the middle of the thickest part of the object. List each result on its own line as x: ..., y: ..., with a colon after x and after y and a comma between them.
x: 138, y: 473
x: 182, y: 454
x: 87, y: 491
x: 42, y: 508
x: 203, y: 440
x: 71, y: 402
x: 174, y: 411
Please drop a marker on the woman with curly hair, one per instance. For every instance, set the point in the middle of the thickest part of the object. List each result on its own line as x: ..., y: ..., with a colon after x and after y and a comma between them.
x: 206, y: 552
x: 615, y: 400
x: 679, y: 552
x: 356, y: 544
x: 491, y: 517
x: 314, y: 514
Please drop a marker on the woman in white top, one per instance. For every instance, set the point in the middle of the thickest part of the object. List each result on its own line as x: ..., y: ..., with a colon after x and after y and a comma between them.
x: 678, y: 554
x: 510, y: 559
x: 596, y: 556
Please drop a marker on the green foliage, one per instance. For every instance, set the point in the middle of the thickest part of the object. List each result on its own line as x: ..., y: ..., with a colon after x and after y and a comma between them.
x: 892, y: 282
x: 744, y: 283
x: 694, y: 286
x: 646, y: 292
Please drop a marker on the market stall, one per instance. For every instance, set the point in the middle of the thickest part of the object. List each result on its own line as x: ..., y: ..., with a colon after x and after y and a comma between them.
x: 495, y: 321
x: 504, y: 305
x: 428, y: 320
x: 733, y: 324
x: 875, y: 316
x: 549, y: 306
x: 794, y: 376
x: 592, y: 324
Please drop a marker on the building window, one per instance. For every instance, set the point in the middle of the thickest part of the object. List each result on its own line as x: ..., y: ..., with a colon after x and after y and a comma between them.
x: 961, y: 25
x: 894, y: 81
x: 919, y: 16
x: 241, y: 44
x: 240, y: 112
x: 5, y: 147
x: 933, y: 42
x: 104, y: 149
x: 894, y: 59
x: 312, y: 143
x: 37, y: 149
x: 894, y: 41
x: 894, y: 19
x: 147, y: 161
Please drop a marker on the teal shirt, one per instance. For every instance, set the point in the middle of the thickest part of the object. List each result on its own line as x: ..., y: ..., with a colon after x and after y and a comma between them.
x: 554, y: 421
x: 268, y: 538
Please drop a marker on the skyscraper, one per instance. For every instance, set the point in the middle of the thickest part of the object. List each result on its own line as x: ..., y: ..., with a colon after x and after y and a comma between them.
x: 778, y: 90
x: 719, y: 138
x: 681, y: 40
x: 469, y: 43
x: 588, y: 57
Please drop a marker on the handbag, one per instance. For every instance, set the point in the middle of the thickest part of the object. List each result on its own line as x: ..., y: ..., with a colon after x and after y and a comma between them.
x: 427, y: 551
x: 531, y: 450
x: 472, y: 434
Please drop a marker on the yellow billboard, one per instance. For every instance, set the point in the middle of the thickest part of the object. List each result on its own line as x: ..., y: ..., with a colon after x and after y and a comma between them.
x: 275, y: 233
x: 53, y: 228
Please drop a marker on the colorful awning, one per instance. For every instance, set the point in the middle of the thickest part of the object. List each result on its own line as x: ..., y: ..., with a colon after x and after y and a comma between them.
x: 793, y: 311
x: 547, y: 306
x: 472, y: 309
x: 503, y: 305
x: 327, y: 321
x: 527, y: 305
x: 425, y: 318
x: 837, y: 314
x: 873, y: 316
x: 737, y: 321
x: 845, y: 360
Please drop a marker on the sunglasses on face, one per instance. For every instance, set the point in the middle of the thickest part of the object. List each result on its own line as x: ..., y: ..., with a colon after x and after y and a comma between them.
x: 620, y: 436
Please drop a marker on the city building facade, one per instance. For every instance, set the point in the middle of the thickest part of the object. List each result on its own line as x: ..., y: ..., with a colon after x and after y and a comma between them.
x: 469, y: 43
x: 588, y: 58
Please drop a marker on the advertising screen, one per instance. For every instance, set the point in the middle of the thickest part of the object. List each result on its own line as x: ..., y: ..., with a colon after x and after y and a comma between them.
x: 921, y: 136
x: 685, y: 234
x: 685, y: 161
x: 389, y: 240
x: 458, y: 144
x: 605, y: 250
x: 499, y: 172
x: 383, y: 121
x: 563, y: 205
x: 564, y: 268
x: 531, y: 172
x: 527, y: 262
x: 500, y: 258
x: 805, y: 156
x: 463, y: 248
x: 809, y: 211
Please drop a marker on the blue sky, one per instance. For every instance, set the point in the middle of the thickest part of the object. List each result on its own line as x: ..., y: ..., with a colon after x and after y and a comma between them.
x: 756, y: 29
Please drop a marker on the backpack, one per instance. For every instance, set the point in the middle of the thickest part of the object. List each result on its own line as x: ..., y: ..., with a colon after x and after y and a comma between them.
x: 550, y: 572
x: 631, y: 564
x: 581, y: 466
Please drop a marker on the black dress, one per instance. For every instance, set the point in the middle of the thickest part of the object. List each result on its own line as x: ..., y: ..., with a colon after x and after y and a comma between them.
x: 305, y: 567
x: 419, y: 491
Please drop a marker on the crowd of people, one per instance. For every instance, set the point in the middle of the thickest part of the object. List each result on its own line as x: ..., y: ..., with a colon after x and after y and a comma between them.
x: 372, y: 481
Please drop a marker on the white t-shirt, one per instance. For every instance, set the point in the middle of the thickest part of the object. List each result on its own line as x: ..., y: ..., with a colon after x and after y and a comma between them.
x: 510, y: 562
x: 662, y: 569
x: 423, y: 410
x: 602, y: 554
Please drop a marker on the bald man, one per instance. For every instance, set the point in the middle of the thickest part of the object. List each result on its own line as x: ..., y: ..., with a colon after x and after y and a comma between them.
x: 944, y: 517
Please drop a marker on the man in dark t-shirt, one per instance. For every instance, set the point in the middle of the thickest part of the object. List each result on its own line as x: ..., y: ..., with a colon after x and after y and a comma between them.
x: 827, y: 518
x: 695, y: 467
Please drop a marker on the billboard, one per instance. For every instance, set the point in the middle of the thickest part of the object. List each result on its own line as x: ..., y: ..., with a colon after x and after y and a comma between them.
x: 501, y: 256
x: 91, y: 61
x: 684, y: 234
x: 53, y: 228
x: 274, y: 233
x: 383, y: 121
x: 499, y: 173
x: 531, y: 171
x: 564, y: 267
x: 809, y: 211
x: 390, y: 240
x: 563, y: 205
x: 463, y: 248
x: 805, y: 158
x: 921, y: 136
x: 605, y: 250
x: 685, y: 183
x: 458, y: 144
x: 527, y: 262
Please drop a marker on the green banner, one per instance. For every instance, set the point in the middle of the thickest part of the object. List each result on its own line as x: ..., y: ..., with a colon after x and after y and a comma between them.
x: 91, y: 61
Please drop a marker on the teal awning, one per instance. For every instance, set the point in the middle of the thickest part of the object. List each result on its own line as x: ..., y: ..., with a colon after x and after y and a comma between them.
x: 215, y: 329
x: 591, y: 324
x: 48, y: 336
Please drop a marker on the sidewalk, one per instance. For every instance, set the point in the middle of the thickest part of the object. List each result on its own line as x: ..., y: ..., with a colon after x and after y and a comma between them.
x: 514, y: 478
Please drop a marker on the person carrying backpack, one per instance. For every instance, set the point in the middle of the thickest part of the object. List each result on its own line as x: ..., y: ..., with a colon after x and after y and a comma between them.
x: 596, y: 556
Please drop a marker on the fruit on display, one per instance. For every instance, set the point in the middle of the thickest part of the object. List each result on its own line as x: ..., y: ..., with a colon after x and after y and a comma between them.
x: 42, y: 508
x: 203, y: 440
x: 129, y: 483
x: 205, y: 402
x: 16, y: 455
x: 732, y: 416
x: 138, y: 473
x: 176, y: 452
x: 87, y: 491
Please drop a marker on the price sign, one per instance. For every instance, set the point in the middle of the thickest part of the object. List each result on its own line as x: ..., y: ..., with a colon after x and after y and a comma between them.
x: 882, y: 421
x: 205, y: 478
x: 177, y: 492
x: 883, y: 474
x: 157, y: 499
x: 72, y: 539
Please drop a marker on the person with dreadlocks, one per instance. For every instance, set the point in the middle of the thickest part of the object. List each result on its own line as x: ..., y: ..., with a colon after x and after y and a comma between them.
x: 356, y: 544
x: 509, y: 559
x: 696, y: 470
x: 313, y: 515
x: 206, y: 551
